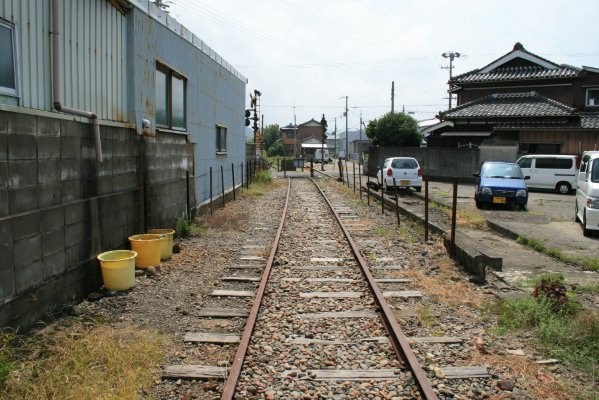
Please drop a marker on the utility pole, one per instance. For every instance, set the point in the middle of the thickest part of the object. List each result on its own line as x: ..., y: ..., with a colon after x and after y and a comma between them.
x: 346, y: 142
x: 360, y: 142
x: 335, y: 138
x: 295, y: 127
x: 392, y: 96
x: 451, y: 55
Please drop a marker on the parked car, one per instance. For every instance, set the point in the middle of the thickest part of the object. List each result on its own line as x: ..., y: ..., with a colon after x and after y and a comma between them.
x: 401, y: 172
x: 318, y: 156
x: 500, y: 182
x: 587, y: 194
x: 557, y: 172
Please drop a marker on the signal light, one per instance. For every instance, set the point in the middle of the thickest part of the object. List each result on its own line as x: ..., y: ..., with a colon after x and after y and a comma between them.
x: 247, y: 117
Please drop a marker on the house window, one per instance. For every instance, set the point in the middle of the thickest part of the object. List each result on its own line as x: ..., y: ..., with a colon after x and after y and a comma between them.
x: 170, y: 99
x: 221, y: 139
x: 593, y: 97
x: 8, y: 73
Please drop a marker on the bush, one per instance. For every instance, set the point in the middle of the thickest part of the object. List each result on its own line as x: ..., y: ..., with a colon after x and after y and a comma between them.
x: 566, y: 331
x: 264, y: 176
x: 183, y: 227
x: 4, y: 368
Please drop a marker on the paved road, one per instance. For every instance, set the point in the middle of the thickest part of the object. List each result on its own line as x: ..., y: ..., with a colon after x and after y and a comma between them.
x: 549, y: 219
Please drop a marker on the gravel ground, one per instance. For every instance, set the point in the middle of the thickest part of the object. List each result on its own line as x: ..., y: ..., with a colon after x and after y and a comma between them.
x: 170, y: 302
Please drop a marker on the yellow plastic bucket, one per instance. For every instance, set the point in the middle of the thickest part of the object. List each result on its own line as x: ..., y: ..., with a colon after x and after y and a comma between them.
x: 147, y: 246
x: 118, y: 269
x: 166, y: 251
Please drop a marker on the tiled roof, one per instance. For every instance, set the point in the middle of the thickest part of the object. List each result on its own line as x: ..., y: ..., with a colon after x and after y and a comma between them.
x: 288, y: 127
x: 503, y: 105
x: 517, y: 73
x: 589, y: 120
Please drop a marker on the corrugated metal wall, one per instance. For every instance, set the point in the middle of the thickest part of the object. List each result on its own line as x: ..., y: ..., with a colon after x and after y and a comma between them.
x: 94, y: 55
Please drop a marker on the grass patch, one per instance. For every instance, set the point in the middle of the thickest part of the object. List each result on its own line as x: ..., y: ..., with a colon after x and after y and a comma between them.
x: 185, y: 228
x: 566, y: 332
x: 588, y: 263
x: 535, y: 281
x: 264, y: 176
x: 79, y: 362
x: 466, y: 217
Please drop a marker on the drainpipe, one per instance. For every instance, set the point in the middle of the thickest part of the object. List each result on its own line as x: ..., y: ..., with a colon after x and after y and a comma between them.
x: 56, y: 82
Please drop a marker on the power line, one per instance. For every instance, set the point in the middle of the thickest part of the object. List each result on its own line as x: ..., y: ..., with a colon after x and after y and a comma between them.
x: 248, y: 31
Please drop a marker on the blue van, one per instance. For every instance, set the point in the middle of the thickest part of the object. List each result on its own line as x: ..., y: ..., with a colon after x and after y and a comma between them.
x: 500, y: 182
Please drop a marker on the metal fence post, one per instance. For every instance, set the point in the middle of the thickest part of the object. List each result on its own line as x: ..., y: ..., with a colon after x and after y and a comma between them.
x: 360, y: 181
x: 210, y: 190
x: 383, y: 199
x: 222, y: 183
x: 396, y: 202
x: 453, y: 216
x: 354, y: 169
x: 233, y: 178
x: 426, y: 210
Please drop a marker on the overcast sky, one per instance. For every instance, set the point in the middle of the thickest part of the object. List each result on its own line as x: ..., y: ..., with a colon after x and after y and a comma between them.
x: 310, y: 54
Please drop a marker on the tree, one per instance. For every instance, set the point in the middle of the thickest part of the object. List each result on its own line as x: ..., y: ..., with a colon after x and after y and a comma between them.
x: 394, y: 129
x: 277, y: 149
x: 270, y: 135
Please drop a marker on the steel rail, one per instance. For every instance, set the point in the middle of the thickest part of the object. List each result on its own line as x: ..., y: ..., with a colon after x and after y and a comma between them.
x: 396, y: 336
x: 235, y: 371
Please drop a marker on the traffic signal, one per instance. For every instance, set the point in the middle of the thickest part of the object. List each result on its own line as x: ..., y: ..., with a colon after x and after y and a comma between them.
x: 247, y: 117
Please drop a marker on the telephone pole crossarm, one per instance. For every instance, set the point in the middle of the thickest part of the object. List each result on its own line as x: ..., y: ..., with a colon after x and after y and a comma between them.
x: 451, y: 55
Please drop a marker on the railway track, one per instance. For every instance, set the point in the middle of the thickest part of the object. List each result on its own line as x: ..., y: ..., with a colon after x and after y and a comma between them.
x: 319, y: 307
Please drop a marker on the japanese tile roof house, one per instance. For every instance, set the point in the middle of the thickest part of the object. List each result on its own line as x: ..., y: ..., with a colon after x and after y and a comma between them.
x: 524, y: 101
x: 307, y: 132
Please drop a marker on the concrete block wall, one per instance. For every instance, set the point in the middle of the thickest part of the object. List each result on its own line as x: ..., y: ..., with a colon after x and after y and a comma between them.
x: 438, y: 163
x: 59, y: 208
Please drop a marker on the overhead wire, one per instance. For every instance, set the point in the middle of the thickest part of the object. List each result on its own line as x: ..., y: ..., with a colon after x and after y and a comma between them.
x: 248, y: 31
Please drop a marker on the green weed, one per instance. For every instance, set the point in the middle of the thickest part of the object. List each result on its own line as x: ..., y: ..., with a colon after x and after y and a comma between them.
x: 566, y: 332
x: 588, y: 263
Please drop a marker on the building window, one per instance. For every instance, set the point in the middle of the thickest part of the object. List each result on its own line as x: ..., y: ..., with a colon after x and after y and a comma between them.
x: 8, y: 72
x: 593, y: 97
x: 170, y: 99
x: 221, y: 139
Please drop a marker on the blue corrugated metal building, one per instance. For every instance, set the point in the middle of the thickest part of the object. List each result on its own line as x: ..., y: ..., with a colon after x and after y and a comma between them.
x: 114, y: 118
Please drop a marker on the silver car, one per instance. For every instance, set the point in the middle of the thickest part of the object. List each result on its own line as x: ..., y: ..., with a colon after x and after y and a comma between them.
x: 401, y: 172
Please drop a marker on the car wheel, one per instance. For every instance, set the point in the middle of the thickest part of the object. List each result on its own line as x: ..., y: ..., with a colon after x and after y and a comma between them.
x: 479, y: 205
x: 563, y: 187
x: 418, y: 188
x: 576, y: 219
x: 585, y: 231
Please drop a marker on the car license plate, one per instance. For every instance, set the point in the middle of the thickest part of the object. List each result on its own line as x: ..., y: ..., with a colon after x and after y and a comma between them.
x: 498, y: 200
x: 404, y: 182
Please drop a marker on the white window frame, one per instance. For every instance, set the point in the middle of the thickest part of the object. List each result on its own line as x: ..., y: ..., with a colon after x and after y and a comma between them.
x: 8, y: 91
x: 586, y: 101
x: 221, y: 136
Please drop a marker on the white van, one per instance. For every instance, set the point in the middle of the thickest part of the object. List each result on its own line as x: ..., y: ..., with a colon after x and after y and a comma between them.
x: 318, y: 156
x: 557, y: 172
x: 587, y: 194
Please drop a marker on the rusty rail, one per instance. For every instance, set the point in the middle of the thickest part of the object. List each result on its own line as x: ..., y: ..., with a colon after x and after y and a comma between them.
x: 397, y: 338
x: 235, y: 371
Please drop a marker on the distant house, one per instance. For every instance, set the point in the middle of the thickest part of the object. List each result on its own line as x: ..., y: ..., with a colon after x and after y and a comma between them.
x: 294, y: 135
x: 524, y: 103
x: 114, y: 119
